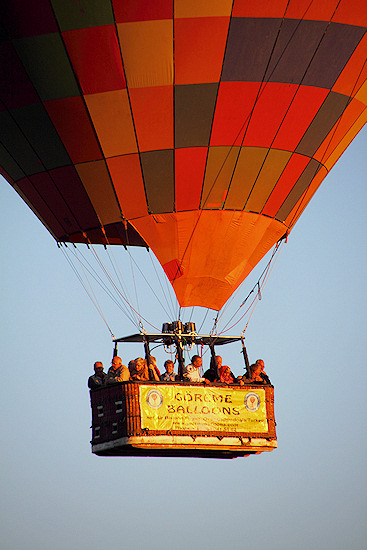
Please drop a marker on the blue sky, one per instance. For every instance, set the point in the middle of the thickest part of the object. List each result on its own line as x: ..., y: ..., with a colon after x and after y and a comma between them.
x: 310, y: 328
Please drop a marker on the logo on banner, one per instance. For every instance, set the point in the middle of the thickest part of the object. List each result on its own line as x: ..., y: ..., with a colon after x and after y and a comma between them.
x: 154, y: 399
x: 252, y: 401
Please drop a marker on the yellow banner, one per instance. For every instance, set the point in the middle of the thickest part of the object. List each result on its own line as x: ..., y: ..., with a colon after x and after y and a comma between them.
x: 203, y: 408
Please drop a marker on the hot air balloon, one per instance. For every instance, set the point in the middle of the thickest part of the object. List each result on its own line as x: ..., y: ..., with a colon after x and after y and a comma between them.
x: 198, y: 129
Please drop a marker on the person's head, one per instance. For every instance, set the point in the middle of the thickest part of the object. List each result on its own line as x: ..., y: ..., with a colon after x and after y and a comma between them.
x: 139, y: 364
x: 219, y: 361
x: 98, y: 368
x: 152, y: 361
x: 116, y: 362
x: 225, y: 371
x: 196, y: 361
x: 169, y: 366
x: 256, y: 369
x: 261, y: 363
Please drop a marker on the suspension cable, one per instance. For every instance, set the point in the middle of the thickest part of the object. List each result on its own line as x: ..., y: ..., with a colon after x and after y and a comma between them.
x: 134, y: 264
x: 117, y: 271
x: 116, y: 287
x: 91, y: 270
x: 90, y: 293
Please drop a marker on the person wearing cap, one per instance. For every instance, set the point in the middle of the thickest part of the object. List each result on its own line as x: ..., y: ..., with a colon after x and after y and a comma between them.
x: 117, y: 371
x: 97, y: 379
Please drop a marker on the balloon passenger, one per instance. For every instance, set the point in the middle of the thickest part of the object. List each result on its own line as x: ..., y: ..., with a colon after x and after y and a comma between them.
x: 191, y: 373
x: 225, y: 375
x: 117, y: 371
x: 139, y: 370
x: 255, y: 375
x: 97, y: 379
x: 211, y: 373
x: 263, y: 374
x: 169, y: 375
x: 153, y: 363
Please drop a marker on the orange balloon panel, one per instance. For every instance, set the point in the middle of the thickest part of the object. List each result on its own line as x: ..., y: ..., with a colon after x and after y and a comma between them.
x: 200, y: 129
x: 207, y: 266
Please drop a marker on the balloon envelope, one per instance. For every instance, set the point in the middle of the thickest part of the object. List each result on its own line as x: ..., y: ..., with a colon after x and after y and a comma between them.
x: 200, y: 129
